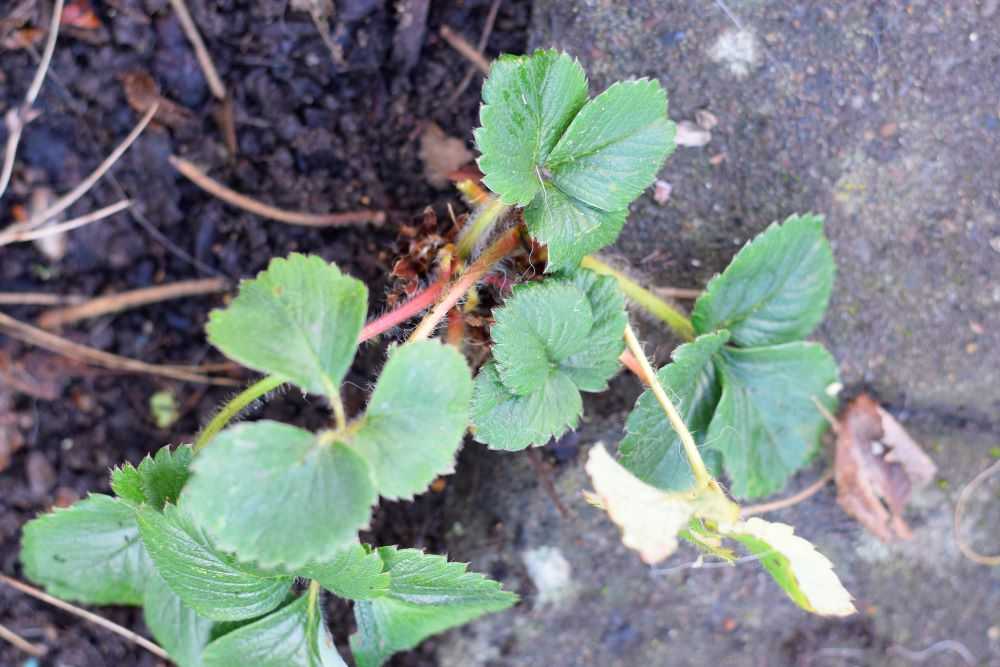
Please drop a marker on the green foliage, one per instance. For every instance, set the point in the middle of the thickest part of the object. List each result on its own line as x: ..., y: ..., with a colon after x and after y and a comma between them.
x: 210, y: 582
x: 416, y: 418
x: 293, y: 636
x: 298, y: 320
x: 775, y: 290
x: 89, y: 553
x: 354, y: 573
x: 176, y: 627
x: 157, y: 480
x: 278, y: 495
x: 552, y: 339
x: 576, y: 164
x: 427, y: 595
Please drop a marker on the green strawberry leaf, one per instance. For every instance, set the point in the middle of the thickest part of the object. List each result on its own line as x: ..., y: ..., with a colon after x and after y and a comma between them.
x: 355, y: 573
x: 278, y: 495
x: 293, y: 636
x: 570, y: 228
x: 615, y: 145
x: 805, y: 574
x: 176, y: 627
x: 651, y: 449
x: 529, y: 102
x: 509, y: 422
x: 427, y: 595
x: 767, y: 424
x: 157, y: 480
x: 577, y: 165
x: 775, y: 290
x: 537, y: 328
x: 90, y: 553
x: 416, y: 418
x: 552, y: 339
x: 208, y: 581
x: 298, y: 320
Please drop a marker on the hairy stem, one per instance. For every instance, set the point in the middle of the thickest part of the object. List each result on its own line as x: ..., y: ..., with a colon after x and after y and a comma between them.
x: 483, y: 221
x: 654, y: 305
x: 497, y: 251
x: 234, y: 407
x: 701, y: 475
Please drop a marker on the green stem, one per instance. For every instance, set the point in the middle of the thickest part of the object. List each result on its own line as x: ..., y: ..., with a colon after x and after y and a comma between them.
x: 234, y: 407
x: 484, y: 220
x: 702, y: 477
x: 653, y: 304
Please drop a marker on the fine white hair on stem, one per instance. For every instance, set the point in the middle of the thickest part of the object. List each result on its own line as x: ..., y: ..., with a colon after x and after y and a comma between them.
x: 17, y: 118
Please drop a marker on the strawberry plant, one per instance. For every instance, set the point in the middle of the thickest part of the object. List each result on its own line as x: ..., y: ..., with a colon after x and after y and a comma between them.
x: 228, y: 544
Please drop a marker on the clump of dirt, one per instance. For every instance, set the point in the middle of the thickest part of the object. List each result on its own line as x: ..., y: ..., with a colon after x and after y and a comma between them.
x: 322, y: 125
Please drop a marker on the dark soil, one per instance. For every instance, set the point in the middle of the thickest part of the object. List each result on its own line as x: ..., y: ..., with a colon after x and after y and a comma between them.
x: 314, y: 134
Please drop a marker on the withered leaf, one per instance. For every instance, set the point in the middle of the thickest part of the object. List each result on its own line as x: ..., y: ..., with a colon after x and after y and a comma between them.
x: 441, y: 155
x: 142, y: 92
x: 878, y: 466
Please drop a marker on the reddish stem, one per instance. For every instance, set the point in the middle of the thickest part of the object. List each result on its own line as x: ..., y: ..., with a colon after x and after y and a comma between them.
x: 423, y: 300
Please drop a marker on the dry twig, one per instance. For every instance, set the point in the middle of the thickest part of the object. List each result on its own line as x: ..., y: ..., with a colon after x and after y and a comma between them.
x: 201, y: 53
x: 39, y: 299
x: 73, y: 195
x: 795, y: 499
x: 16, y: 119
x: 468, y: 51
x: 199, y: 178
x: 34, y: 336
x: 963, y: 500
x: 23, y: 644
x: 113, y: 303
x: 85, y: 615
x: 484, y: 39
x: 51, y: 230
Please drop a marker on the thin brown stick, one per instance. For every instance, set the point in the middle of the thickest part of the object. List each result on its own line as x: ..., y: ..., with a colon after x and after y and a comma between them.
x: 963, y: 500
x: 484, y: 39
x: 113, y: 303
x: 23, y: 644
x: 466, y: 50
x: 544, y: 474
x: 199, y: 178
x: 34, y: 336
x: 200, y: 52
x: 70, y: 197
x: 85, y: 615
x: 677, y: 292
x: 17, y: 119
x: 39, y: 299
x: 795, y: 499
x: 63, y: 227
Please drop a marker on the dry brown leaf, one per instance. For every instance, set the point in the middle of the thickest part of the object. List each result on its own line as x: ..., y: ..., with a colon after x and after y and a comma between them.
x: 878, y: 466
x: 441, y: 155
x: 142, y: 92
x: 80, y: 14
x: 690, y: 135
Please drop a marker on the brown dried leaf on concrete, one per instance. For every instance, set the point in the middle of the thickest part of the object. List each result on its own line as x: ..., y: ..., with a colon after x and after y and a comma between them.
x: 142, y: 92
x: 878, y: 466
x: 441, y: 155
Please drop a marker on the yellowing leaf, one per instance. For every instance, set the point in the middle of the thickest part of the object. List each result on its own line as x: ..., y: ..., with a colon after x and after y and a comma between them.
x: 804, y: 573
x: 650, y: 519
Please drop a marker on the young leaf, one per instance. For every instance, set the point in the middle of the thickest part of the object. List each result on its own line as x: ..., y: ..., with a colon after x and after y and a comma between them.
x: 293, y: 636
x: 298, y: 320
x: 569, y: 227
x: 90, y: 553
x: 615, y: 145
x: 158, y: 479
x: 805, y: 574
x: 354, y: 573
x: 416, y: 418
x: 427, y: 595
x: 651, y: 519
x: 775, y: 290
x: 651, y: 449
x: 577, y: 165
x: 538, y: 327
x: 278, y: 495
x: 209, y: 582
x: 767, y: 424
x: 552, y: 340
x: 529, y: 102
x: 176, y: 627
x: 509, y: 422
